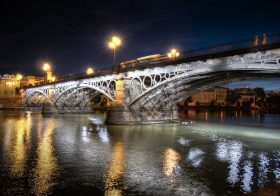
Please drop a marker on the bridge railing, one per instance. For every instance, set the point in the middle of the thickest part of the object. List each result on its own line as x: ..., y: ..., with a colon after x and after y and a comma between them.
x: 233, y: 46
x: 237, y: 47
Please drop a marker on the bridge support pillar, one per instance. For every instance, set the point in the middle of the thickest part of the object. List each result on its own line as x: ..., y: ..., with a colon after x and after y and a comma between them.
x: 121, y: 114
x: 49, y: 109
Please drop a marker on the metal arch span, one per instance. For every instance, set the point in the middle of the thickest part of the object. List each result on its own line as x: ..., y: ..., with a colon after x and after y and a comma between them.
x: 190, y: 77
x: 80, y: 87
x: 151, y: 80
x: 181, y: 89
x: 103, y: 84
x: 34, y: 92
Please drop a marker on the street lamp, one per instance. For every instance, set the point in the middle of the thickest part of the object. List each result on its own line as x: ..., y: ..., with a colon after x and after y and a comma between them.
x: 90, y: 71
x: 173, y: 54
x: 114, y: 44
x: 47, y: 68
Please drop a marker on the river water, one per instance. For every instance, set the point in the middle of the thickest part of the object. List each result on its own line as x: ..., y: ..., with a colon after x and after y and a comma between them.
x: 220, y: 153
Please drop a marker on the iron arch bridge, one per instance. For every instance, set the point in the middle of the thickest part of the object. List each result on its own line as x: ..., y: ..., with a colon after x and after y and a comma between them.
x: 71, y: 93
x: 151, y: 94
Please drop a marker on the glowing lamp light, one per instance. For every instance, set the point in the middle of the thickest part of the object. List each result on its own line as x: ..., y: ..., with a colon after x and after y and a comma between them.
x: 116, y: 40
x: 173, y: 53
x: 90, y: 71
x: 46, y: 67
x: 112, y: 45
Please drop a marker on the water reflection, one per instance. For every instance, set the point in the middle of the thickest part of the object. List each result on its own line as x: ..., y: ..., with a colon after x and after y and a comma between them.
x: 115, y: 171
x: 20, y: 145
x: 231, y: 152
x: 46, y: 167
x: 195, y: 156
x: 170, y: 162
x: 276, y: 171
x: 212, y: 158
x: 235, y: 153
x: 247, y: 180
x: 103, y: 134
x: 263, y: 168
x: 18, y: 153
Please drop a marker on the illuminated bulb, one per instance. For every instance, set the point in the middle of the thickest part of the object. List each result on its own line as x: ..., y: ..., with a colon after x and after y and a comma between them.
x: 112, y: 45
x: 90, y: 71
x: 46, y: 67
x: 116, y: 40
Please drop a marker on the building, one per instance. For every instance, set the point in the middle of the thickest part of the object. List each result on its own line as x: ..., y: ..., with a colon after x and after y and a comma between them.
x: 216, y: 96
x: 247, y: 97
x: 32, y: 80
x: 10, y: 95
x: 9, y: 86
x: 221, y: 95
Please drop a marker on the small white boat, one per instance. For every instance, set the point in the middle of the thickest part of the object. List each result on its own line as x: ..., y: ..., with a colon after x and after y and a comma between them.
x: 96, y: 121
x: 189, y: 122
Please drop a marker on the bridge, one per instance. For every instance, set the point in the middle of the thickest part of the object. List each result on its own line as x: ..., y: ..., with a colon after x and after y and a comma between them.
x: 150, y: 92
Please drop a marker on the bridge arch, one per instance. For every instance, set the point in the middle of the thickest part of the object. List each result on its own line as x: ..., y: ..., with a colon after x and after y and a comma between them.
x: 179, y: 87
x: 81, y: 87
x: 31, y: 96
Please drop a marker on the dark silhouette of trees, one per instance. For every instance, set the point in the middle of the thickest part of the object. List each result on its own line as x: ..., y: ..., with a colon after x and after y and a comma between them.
x: 232, y: 97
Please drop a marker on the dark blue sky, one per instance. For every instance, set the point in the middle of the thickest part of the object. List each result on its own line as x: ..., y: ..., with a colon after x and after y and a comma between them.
x: 73, y: 34
x: 267, y: 83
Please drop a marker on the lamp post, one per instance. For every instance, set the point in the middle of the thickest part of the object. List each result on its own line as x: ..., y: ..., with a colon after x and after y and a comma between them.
x: 114, y: 44
x: 48, y: 70
x: 173, y: 54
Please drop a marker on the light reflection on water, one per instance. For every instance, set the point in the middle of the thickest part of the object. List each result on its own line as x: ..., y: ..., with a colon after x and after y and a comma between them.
x: 51, y: 154
x: 115, y: 171
x: 46, y: 165
x: 170, y: 162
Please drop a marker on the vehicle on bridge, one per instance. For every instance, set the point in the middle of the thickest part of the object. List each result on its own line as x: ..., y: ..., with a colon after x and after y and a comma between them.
x: 150, y: 59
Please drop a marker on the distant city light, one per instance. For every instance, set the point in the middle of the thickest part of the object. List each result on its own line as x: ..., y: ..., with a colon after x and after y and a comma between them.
x: 19, y: 76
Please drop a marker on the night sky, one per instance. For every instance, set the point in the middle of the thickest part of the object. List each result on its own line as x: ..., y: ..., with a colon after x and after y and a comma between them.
x: 73, y: 35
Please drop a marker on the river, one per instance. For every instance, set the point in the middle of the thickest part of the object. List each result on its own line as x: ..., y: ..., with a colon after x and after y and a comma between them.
x: 219, y: 153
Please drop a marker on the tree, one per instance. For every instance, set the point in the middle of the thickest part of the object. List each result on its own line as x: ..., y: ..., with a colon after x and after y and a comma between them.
x: 188, y: 100
x: 232, y: 97
x: 260, y: 93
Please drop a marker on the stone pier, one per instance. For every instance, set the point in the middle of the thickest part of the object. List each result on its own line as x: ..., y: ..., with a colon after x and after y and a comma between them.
x: 120, y: 113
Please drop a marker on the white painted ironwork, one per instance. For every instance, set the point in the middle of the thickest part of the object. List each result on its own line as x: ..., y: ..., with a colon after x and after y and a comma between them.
x: 153, y: 87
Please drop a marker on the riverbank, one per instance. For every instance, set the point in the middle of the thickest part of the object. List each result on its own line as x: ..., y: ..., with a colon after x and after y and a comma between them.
x: 231, y: 108
x: 32, y: 109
